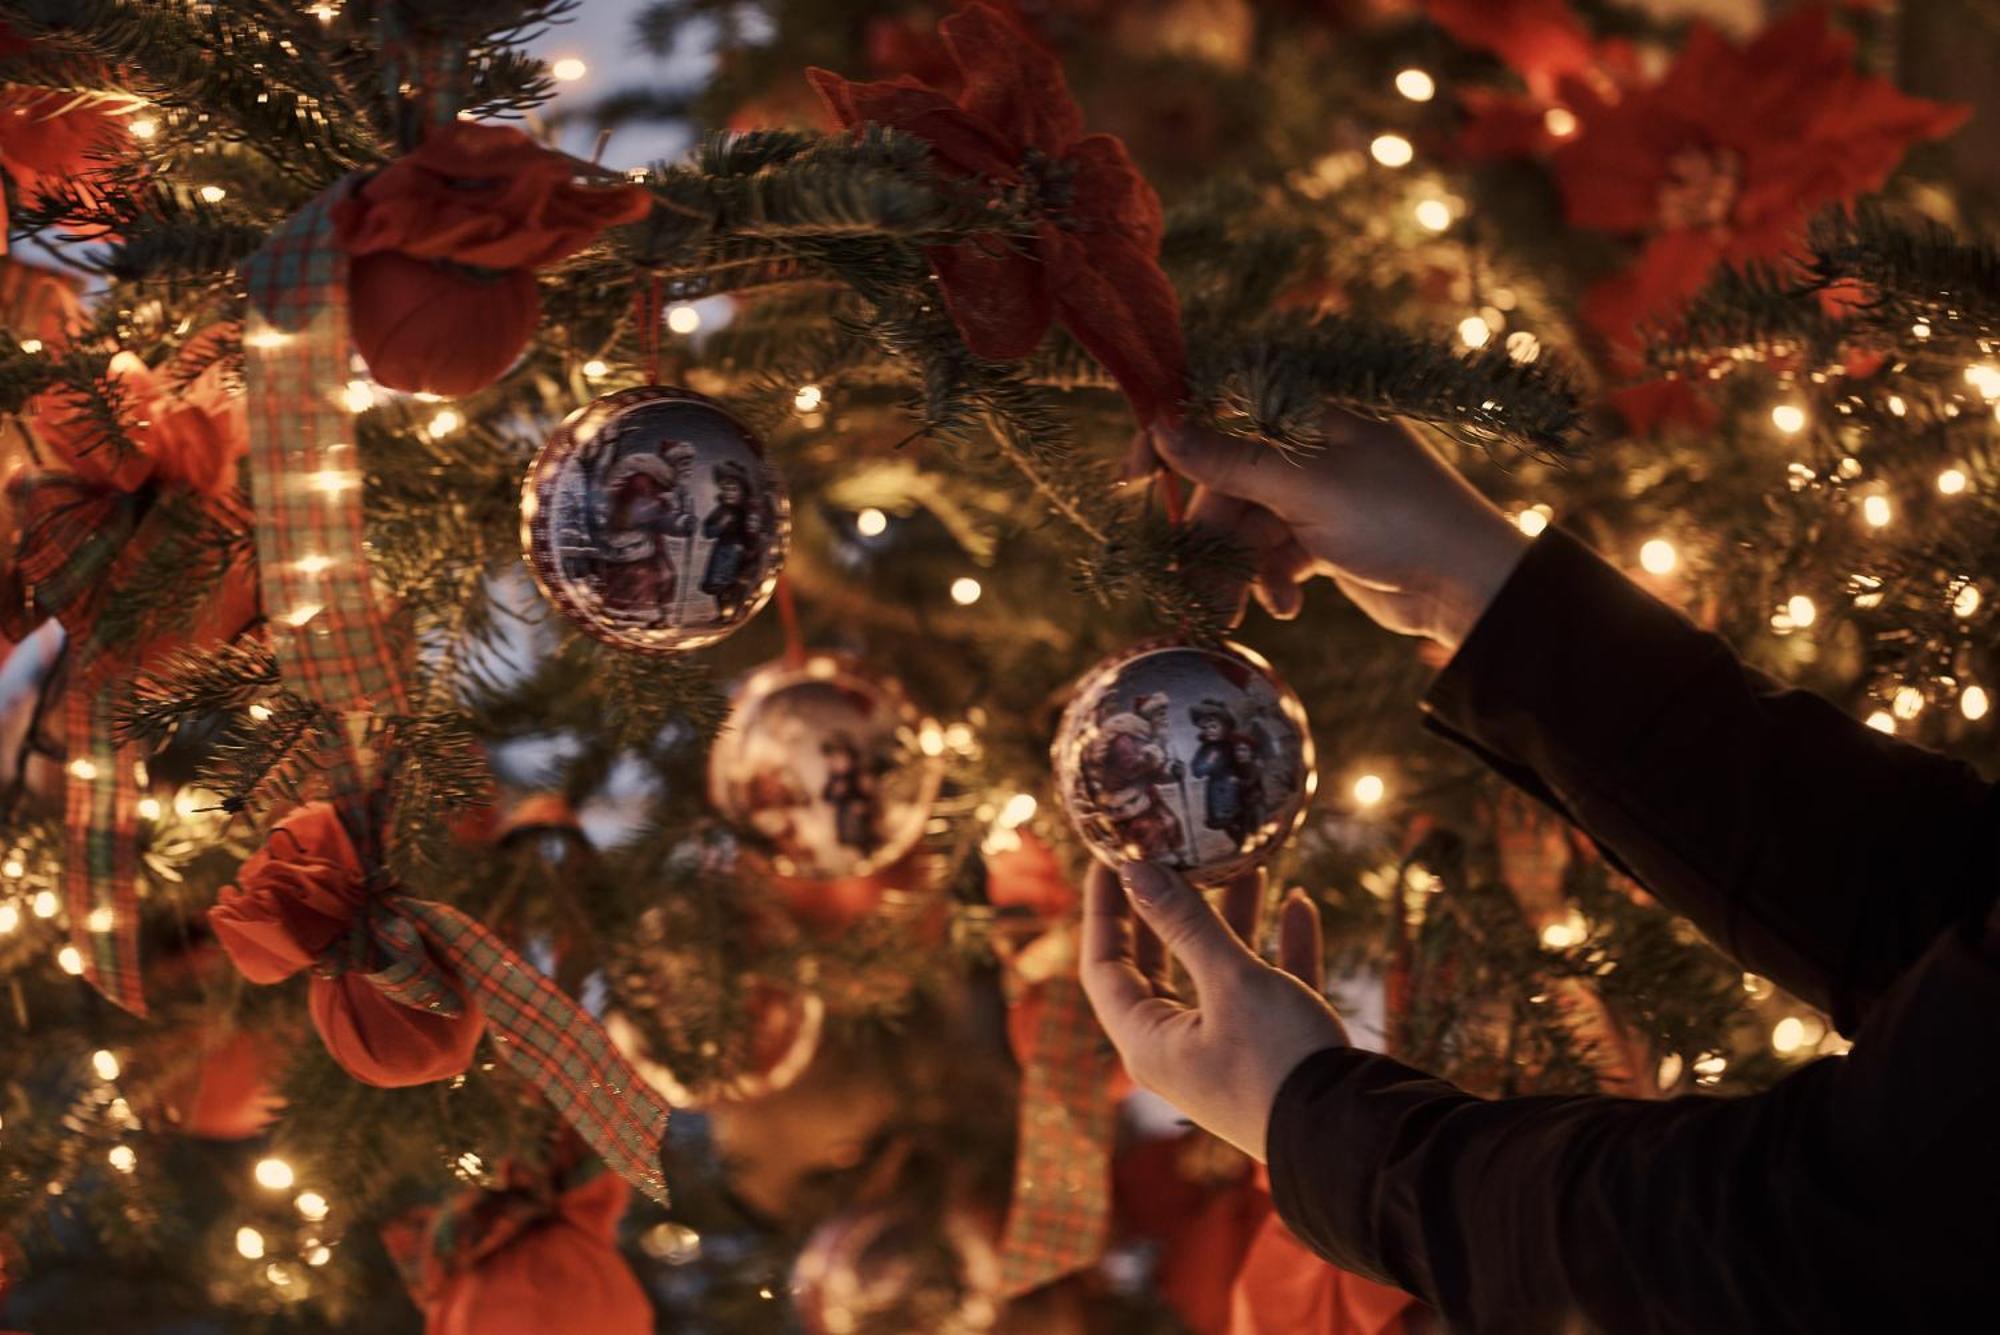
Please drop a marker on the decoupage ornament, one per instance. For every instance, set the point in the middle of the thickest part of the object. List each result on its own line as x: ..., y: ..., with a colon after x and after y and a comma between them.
x: 822, y: 762
x: 653, y: 520
x: 1195, y: 758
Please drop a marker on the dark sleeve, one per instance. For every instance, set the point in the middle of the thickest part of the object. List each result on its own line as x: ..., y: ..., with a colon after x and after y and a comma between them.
x: 1854, y: 1195
x: 1815, y: 850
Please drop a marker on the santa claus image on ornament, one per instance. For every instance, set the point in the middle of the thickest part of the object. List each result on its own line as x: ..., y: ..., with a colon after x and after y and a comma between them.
x: 647, y: 512
x: 1136, y: 780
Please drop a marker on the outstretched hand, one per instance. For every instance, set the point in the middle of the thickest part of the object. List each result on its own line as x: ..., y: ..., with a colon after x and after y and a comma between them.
x: 1221, y: 1058
x: 1403, y: 535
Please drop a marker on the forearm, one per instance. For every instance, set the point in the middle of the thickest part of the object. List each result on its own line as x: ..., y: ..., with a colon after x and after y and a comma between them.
x: 1817, y: 851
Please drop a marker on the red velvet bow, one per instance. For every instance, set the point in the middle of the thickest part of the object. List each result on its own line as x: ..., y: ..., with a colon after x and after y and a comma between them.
x: 1094, y: 260
x: 536, y: 1257
x: 387, y: 1011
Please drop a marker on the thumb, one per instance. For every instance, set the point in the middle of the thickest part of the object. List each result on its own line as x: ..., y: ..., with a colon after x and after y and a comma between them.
x: 1249, y: 470
x: 1184, y: 922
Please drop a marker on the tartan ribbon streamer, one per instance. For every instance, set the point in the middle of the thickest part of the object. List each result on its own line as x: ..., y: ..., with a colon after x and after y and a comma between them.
x: 1060, y: 1214
x: 333, y: 646
x: 550, y: 1040
x: 79, y: 542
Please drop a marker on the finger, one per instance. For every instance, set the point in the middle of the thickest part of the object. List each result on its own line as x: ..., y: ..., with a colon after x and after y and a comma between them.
x: 1151, y: 958
x: 1300, y: 952
x: 1283, y: 601
x: 1243, y: 904
x: 1140, y: 461
x: 1249, y: 469
x: 1188, y: 927
x: 1118, y: 992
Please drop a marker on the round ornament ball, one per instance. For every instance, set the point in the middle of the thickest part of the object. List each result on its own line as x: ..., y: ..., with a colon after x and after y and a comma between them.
x: 1196, y: 758
x: 652, y: 520
x: 821, y: 761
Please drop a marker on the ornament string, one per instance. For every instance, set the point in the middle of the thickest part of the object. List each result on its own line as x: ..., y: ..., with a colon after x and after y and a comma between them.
x: 1174, y: 506
x: 649, y: 317
x: 788, y: 619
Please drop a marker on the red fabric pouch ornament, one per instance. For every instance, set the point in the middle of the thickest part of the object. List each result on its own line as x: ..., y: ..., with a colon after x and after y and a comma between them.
x: 537, y: 1258
x: 303, y: 901
x: 445, y: 242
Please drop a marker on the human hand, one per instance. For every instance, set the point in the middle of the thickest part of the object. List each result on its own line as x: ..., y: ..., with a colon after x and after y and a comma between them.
x: 1221, y: 1059
x: 1402, y: 534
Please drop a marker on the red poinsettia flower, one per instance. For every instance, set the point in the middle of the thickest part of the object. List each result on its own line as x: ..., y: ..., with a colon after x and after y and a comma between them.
x: 1728, y: 155
x: 1093, y: 262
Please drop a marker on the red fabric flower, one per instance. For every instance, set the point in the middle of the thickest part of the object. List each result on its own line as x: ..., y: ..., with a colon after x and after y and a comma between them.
x: 445, y: 241
x: 1093, y: 263
x: 293, y: 905
x: 48, y: 135
x: 1726, y: 157
x: 189, y: 438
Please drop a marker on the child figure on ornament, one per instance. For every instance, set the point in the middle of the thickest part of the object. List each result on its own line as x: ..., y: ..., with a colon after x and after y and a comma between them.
x: 1855, y: 870
x: 736, y: 527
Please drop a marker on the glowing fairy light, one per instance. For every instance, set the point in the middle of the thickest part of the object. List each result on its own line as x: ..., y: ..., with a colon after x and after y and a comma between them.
x: 212, y: 194
x: 123, y: 1158
x: 1966, y: 601
x: 100, y: 919
x: 1788, y: 1035
x: 249, y: 1243
x: 871, y: 523
x: 273, y: 1174
x: 143, y: 127
x: 1369, y: 790
x: 683, y: 319
x: 569, y: 69
x: 1876, y: 510
x: 70, y: 960
x: 1433, y: 214
x: 1789, y: 418
x: 44, y: 904
x: 1392, y: 150
x: 312, y: 1206
x: 1658, y: 557
x: 1906, y: 703
x: 808, y: 399
x: 1416, y: 85
x: 965, y: 591
x: 595, y: 369
x: 1801, y: 610
x: 1882, y: 721
x: 1952, y: 481
x: 1559, y: 122
x: 1974, y: 703
x: 105, y: 1063
x: 1473, y: 331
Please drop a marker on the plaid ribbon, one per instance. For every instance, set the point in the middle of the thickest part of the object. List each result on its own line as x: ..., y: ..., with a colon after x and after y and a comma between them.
x: 1060, y: 1214
x: 333, y: 647
x: 79, y: 543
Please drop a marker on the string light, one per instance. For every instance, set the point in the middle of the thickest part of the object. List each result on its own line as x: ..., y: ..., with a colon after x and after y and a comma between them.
x: 212, y: 194
x: 358, y: 396
x: 1474, y: 331
x: 1369, y: 789
x: 1565, y: 932
x: 1882, y: 721
x: 446, y: 422
x: 123, y: 1158
x: 265, y: 337
x: 1018, y: 811
x: 1920, y: 330
x: 871, y: 523
x: 325, y: 13
x: 303, y: 613
x: 143, y: 127
x: 83, y: 769
x: 273, y: 1174
x: 10, y: 918
x: 808, y: 399
x: 1533, y: 520
x: 1789, y: 418
x: 1906, y: 703
x: 44, y: 904
x: 930, y: 738
x: 1416, y: 85
x: 149, y: 808
x: 105, y: 1062
x: 249, y: 1243
x: 1433, y: 214
x: 13, y: 869
x: 1984, y: 377
x: 1801, y: 610
x: 1951, y: 481
x: 1559, y: 121
x: 70, y: 960
x: 333, y: 481
x: 1966, y: 601
x: 1392, y: 150
x: 1670, y: 1070
x: 1523, y: 346
x: 1658, y: 557
x: 100, y: 919
x: 311, y: 1205
x: 1875, y: 509
x: 965, y: 591
x: 262, y: 713
x: 1788, y: 1035
x: 1709, y: 1067
x: 1973, y: 702
x: 319, y: 1255
x: 314, y: 564
x: 569, y: 69
x: 683, y: 319
x: 1897, y: 406
x: 595, y: 369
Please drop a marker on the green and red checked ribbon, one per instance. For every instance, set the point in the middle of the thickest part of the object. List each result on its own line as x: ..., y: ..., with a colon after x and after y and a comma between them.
x: 334, y: 647
x: 80, y: 542
x: 1059, y: 1217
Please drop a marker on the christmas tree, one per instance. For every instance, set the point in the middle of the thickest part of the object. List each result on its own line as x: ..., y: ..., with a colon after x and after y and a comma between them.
x: 501, y: 642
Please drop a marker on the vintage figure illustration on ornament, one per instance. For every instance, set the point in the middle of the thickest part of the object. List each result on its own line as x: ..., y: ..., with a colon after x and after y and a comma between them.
x: 1183, y: 756
x: 821, y: 763
x: 655, y: 521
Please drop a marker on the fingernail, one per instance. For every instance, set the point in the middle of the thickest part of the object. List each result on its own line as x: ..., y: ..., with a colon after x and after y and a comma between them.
x: 1143, y: 881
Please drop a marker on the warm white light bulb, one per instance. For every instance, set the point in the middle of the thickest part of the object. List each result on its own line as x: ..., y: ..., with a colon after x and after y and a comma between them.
x: 808, y: 399
x: 446, y: 422
x: 1876, y: 510
x: 1474, y: 331
x: 249, y: 1243
x: 1966, y: 601
x: 1392, y: 150
x: 1370, y: 789
x: 1658, y: 557
x: 965, y: 591
x: 1951, y: 481
x: 123, y: 1158
x: 683, y: 319
x: 1801, y: 610
x: 274, y: 1174
x: 1882, y: 721
x: 595, y: 369
x: 311, y: 1205
x: 1559, y: 121
x: 1523, y: 346
x: 1433, y: 214
x: 44, y: 904
x: 568, y: 69
x: 105, y: 1062
x: 871, y: 523
x: 143, y: 127
x: 1788, y: 1035
x: 213, y: 194
x: 10, y: 918
x: 1907, y: 702
x: 1789, y: 418
x: 1531, y: 522
x: 70, y: 960
x: 1974, y: 703
x: 1018, y: 810
x: 150, y: 809
x: 1416, y: 85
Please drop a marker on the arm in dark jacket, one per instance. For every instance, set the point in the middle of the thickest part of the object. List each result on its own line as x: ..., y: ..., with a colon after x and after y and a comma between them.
x: 1813, y: 849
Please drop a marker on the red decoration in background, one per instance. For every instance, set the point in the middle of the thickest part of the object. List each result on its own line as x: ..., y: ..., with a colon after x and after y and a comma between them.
x: 1542, y: 40
x: 1725, y: 158
x: 1093, y: 263
x: 191, y: 437
x: 302, y: 901
x: 445, y: 242
x: 537, y: 1257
